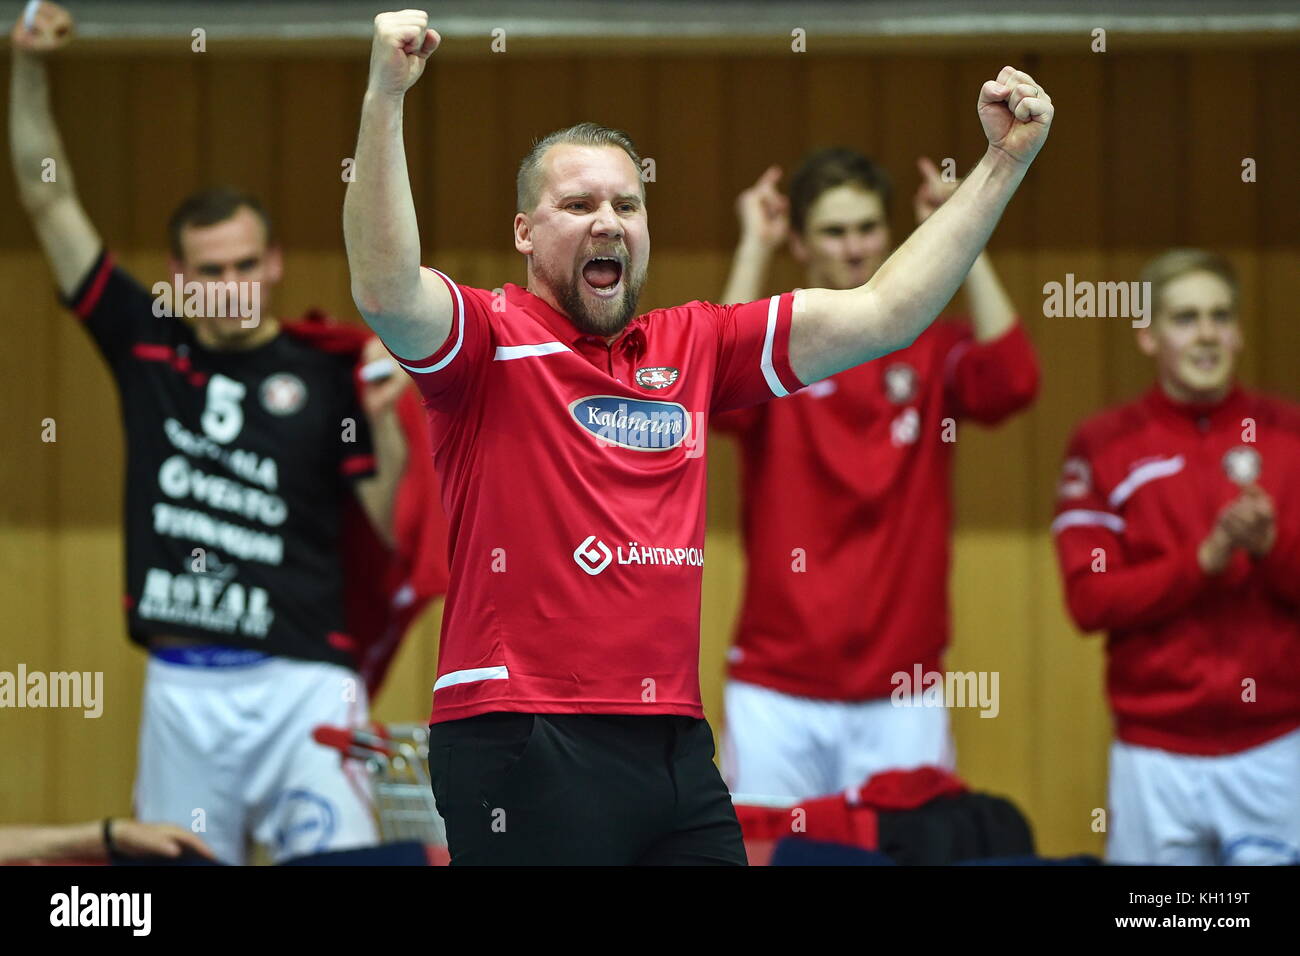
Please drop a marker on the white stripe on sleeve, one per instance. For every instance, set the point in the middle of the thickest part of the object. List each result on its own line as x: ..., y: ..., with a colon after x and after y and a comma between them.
x: 1080, y: 517
x: 457, y: 320
x: 1140, y: 475
x: 505, y: 353
x: 769, y: 373
x: 451, y: 678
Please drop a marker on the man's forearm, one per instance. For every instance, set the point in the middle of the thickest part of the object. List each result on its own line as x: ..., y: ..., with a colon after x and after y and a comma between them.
x: 919, y: 279
x: 62, y: 842
x: 909, y: 290
x: 33, y: 134
x: 748, y: 272
x: 991, y: 309
x: 379, y: 224
x: 1141, y: 595
x: 378, y: 493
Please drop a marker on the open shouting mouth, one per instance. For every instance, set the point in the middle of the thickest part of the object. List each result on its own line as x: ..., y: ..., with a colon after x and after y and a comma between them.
x: 603, y: 275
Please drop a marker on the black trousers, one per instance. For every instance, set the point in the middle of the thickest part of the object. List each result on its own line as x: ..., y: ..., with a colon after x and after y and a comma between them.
x: 585, y: 789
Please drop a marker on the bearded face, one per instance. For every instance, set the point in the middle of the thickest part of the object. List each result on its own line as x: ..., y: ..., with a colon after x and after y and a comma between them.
x: 599, y: 291
x: 588, y: 240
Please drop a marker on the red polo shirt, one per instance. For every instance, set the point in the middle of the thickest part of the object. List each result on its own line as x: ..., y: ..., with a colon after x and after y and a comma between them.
x: 573, y: 477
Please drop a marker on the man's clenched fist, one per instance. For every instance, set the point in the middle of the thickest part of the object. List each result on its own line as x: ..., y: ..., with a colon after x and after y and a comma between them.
x: 48, y: 28
x: 403, y: 41
x: 1016, y: 113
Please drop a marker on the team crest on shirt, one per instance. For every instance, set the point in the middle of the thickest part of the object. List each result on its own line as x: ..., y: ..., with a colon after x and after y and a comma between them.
x: 900, y: 383
x: 1076, y: 478
x: 283, y: 394
x: 660, y: 377
x: 1242, y: 465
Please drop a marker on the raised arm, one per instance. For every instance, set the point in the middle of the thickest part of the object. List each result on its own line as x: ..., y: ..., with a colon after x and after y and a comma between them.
x: 991, y: 310
x: 409, y: 308
x: 44, y: 176
x: 764, y: 216
x: 833, y: 330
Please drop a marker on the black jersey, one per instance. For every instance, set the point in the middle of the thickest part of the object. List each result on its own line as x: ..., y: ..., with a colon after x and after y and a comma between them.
x: 236, y: 467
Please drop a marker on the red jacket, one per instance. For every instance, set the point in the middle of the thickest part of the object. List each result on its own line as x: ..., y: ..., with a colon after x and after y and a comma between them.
x: 386, y: 589
x: 847, y: 512
x: 1141, y: 488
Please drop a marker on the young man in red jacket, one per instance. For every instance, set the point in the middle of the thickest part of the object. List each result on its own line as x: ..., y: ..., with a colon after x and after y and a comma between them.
x: 839, y: 481
x: 1178, y: 533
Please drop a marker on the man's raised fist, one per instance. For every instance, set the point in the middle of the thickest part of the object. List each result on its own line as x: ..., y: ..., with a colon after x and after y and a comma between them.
x: 403, y: 42
x: 1016, y: 114
x: 42, y: 27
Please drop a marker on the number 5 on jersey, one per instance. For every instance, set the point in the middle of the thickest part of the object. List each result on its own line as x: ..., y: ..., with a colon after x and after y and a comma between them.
x: 223, y: 417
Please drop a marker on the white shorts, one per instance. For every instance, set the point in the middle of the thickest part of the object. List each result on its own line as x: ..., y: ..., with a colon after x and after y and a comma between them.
x: 228, y: 753
x: 1176, y: 809
x: 778, y: 747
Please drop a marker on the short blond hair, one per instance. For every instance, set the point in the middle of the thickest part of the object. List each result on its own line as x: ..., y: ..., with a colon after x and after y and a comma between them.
x: 528, y: 181
x: 1176, y: 263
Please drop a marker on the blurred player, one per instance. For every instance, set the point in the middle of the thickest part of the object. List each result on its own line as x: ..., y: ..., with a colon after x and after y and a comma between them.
x: 847, y: 504
x: 1178, y: 533
x: 567, y: 725
x: 239, y: 456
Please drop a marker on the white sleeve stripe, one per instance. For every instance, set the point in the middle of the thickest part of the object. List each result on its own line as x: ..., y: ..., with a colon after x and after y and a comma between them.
x: 469, y: 676
x: 457, y: 320
x: 769, y: 373
x: 1140, y: 475
x: 1080, y: 517
x: 505, y: 353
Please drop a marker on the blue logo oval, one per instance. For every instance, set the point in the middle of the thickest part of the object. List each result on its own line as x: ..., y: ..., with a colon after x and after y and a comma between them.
x: 633, y: 422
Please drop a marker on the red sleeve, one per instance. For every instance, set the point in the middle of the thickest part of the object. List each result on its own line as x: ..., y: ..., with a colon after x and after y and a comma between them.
x: 739, y: 421
x: 753, y: 343
x: 1102, y: 590
x: 118, y: 313
x: 1280, y: 568
x: 446, y: 376
x: 988, y: 381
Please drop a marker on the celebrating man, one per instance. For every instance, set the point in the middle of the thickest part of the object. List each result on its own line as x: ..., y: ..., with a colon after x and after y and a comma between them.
x: 567, y: 430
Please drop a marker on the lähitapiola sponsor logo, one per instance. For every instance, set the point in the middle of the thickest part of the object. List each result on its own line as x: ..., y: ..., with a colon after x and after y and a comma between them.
x: 635, y: 423
x: 74, y: 690
x: 594, y: 556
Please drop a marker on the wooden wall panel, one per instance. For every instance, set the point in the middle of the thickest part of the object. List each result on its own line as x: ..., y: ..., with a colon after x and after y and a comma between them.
x: 1277, y: 244
x: 1146, y: 154
x: 1068, y: 733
